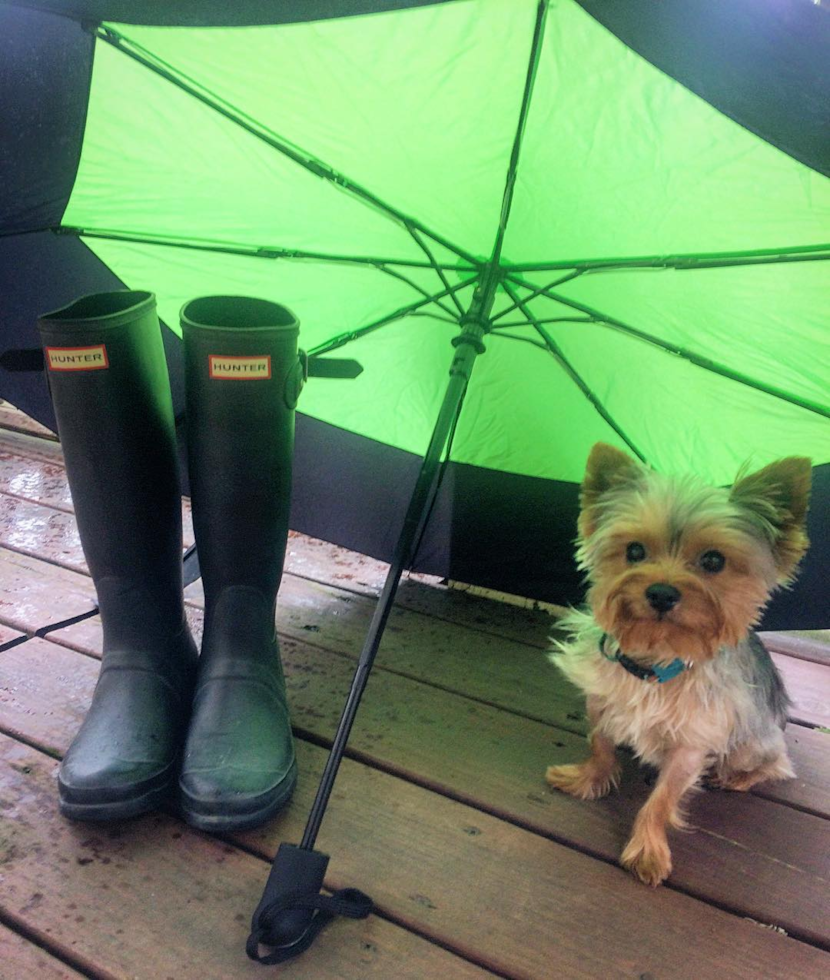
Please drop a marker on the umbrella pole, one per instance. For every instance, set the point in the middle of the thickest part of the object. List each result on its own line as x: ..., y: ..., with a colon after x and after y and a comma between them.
x: 292, y: 911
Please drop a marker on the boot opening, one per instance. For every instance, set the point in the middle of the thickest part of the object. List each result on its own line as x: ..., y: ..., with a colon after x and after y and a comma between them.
x: 101, y: 305
x: 237, y: 312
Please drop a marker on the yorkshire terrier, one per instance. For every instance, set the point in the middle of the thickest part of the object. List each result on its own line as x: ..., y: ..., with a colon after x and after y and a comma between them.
x: 679, y: 572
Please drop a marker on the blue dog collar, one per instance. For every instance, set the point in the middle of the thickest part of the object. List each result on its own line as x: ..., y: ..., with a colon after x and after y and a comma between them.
x: 659, y: 673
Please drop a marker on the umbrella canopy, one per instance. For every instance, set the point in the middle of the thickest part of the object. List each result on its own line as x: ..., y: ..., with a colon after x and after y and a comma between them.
x: 659, y: 248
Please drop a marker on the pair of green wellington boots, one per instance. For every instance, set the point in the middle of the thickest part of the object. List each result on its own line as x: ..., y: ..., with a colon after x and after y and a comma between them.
x: 212, y: 733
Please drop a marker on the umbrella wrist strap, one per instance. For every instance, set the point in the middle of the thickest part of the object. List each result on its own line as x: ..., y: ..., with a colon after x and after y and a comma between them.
x: 348, y: 902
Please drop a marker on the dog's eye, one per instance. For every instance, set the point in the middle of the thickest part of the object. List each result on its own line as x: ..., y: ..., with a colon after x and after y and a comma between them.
x: 712, y: 561
x: 635, y: 552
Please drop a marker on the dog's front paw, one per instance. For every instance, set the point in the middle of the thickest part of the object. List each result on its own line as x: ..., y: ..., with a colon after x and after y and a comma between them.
x: 649, y: 859
x: 584, y: 781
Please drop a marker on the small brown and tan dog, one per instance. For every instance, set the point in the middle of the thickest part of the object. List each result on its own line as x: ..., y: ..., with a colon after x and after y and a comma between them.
x: 679, y: 572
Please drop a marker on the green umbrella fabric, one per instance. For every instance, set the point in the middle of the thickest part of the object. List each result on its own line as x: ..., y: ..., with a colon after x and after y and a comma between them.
x: 660, y: 289
x: 659, y: 264
x: 649, y: 272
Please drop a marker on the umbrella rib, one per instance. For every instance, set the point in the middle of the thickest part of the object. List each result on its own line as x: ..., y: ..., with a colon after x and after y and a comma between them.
x: 434, y: 316
x: 426, y: 250
x: 553, y: 348
x: 537, y: 290
x: 549, y: 319
x: 346, y: 338
x: 422, y: 291
x: 601, y: 320
x: 132, y: 49
x: 252, y: 251
x: 686, y: 261
x: 522, y: 340
x: 513, y: 166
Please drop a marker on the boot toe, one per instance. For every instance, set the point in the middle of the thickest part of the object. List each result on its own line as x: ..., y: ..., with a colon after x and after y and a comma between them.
x: 112, y: 789
x: 235, y: 797
x: 239, y: 766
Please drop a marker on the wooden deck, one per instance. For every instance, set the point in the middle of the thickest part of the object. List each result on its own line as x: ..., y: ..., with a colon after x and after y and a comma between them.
x: 440, y: 813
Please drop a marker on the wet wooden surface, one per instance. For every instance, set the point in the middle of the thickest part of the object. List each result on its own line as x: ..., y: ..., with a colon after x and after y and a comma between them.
x: 440, y: 813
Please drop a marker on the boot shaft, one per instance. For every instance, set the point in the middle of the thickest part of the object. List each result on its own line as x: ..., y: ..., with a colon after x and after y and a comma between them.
x: 243, y: 377
x: 110, y: 389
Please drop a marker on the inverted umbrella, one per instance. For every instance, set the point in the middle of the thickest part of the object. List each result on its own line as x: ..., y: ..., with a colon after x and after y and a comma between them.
x: 620, y: 260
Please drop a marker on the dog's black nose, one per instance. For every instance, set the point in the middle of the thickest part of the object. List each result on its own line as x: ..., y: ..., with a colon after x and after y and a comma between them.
x: 662, y: 597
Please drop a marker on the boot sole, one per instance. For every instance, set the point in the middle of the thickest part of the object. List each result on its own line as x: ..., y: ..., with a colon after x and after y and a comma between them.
x: 209, y: 816
x: 153, y: 799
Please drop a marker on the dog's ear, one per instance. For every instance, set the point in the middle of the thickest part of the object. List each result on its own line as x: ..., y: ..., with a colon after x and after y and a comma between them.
x: 607, y: 469
x: 779, y: 494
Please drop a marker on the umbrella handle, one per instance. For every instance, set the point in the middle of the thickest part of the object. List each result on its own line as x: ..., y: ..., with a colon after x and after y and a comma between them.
x: 292, y: 911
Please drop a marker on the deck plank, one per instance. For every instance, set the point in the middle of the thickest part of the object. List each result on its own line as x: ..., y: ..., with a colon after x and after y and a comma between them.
x: 809, y: 751
x: 326, y: 562
x: 810, y: 791
x: 752, y: 855
x: 808, y: 684
x: 33, y: 469
x: 53, y: 593
x: 7, y: 634
x: 27, y: 471
x: 12, y: 418
x: 34, y: 593
x: 811, y: 645
x: 470, y: 880
x: 21, y: 959
x: 152, y: 899
x: 42, y: 532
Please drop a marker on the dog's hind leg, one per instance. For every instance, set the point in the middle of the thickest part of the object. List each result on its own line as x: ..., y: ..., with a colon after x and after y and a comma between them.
x: 749, y: 764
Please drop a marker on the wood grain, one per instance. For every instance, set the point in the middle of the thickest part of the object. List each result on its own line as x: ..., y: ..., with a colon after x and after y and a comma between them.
x: 808, y: 684
x: 522, y: 904
x: 152, y: 899
x: 34, y: 594
x: 762, y: 859
x: 21, y: 959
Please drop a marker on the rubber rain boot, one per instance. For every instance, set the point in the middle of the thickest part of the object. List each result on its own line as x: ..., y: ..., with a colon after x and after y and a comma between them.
x: 243, y: 376
x: 108, y: 378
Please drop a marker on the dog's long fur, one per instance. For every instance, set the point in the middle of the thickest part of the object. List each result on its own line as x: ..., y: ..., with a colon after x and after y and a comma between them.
x: 726, y: 711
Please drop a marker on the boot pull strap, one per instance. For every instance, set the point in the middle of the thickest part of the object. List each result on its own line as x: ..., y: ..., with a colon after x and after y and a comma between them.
x: 23, y: 359
x: 332, y: 367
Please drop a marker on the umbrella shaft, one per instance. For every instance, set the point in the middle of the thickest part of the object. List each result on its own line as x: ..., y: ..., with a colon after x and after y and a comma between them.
x: 467, y: 349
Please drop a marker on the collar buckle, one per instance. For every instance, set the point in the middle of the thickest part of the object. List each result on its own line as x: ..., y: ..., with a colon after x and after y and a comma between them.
x: 659, y: 672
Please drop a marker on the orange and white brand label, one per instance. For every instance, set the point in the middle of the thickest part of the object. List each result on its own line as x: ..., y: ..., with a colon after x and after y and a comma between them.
x: 240, y: 368
x: 77, y: 358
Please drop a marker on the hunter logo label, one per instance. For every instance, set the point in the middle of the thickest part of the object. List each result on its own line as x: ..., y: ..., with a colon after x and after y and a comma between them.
x: 240, y: 368
x: 77, y: 358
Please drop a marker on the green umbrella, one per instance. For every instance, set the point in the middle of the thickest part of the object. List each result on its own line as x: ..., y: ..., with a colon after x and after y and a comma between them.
x: 650, y: 252
x: 501, y: 188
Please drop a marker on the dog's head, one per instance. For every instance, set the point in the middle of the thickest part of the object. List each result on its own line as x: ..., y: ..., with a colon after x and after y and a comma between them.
x: 679, y: 568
